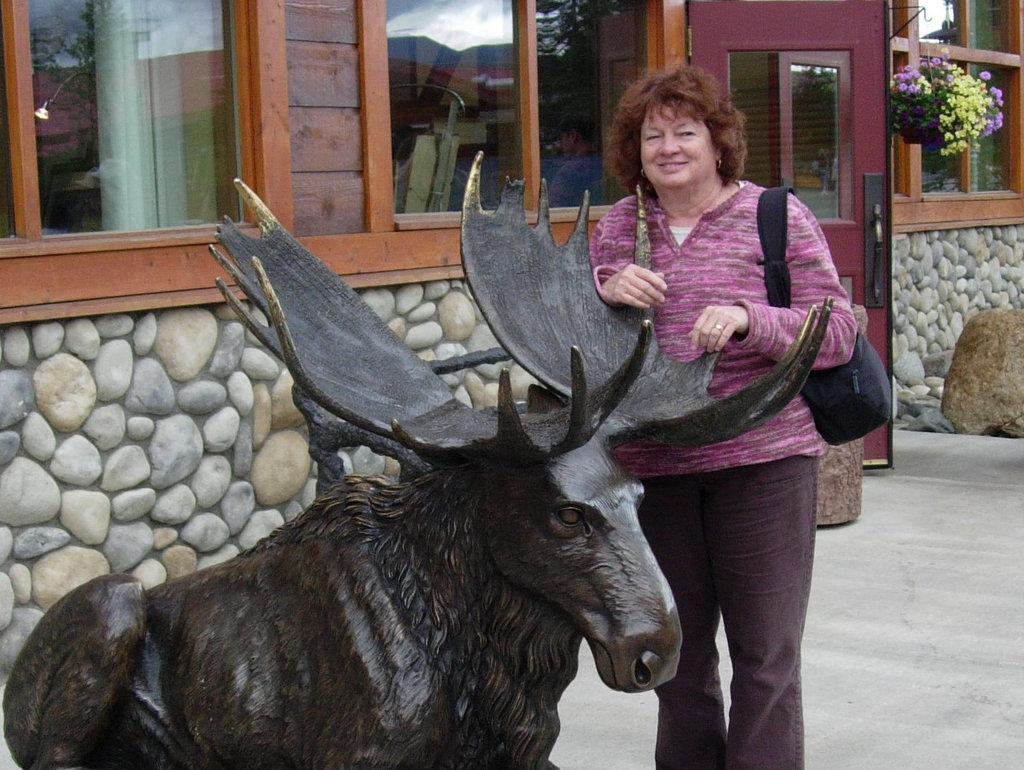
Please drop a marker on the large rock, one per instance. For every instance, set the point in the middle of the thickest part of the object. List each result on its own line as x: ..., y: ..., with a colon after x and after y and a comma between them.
x: 984, y: 391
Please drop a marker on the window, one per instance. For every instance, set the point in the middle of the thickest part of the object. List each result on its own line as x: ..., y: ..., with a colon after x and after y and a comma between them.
x: 456, y: 79
x: 796, y: 105
x: 120, y: 146
x: 978, y: 35
x: 587, y: 53
x: 135, y: 115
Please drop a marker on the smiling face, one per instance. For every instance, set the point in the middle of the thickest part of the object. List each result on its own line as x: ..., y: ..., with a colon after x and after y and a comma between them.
x: 677, y: 152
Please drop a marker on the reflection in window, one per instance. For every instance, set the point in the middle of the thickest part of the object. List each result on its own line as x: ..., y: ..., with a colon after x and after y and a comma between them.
x: 815, y: 99
x: 453, y: 92
x: 989, y: 155
x: 939, y: 173
x: 990, y: 25
x: 135, y: 113
x: 454, y: 82
x: 793, y: 127
x: 6, y: 197
x: 939, y: 21
x: 586, y: 56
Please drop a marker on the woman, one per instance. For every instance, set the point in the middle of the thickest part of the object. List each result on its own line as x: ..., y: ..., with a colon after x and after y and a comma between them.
x: 733, y: 523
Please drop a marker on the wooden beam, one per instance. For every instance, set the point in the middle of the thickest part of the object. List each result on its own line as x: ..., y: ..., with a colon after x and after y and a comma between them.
x: 263, y: 104
x: 376, y: 117
x: 21, y: 119
x: 529, y: 100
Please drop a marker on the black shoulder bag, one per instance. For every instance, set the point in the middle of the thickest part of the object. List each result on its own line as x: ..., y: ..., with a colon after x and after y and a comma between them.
x: 847, y: 401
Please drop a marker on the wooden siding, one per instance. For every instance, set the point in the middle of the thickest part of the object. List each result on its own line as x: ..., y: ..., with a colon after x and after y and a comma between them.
x: 325, y: 123
x: 316, y: 20
x: 328, y: 202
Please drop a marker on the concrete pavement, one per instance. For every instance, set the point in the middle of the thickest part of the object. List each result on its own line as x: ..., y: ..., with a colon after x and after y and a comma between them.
x: 914, y: 650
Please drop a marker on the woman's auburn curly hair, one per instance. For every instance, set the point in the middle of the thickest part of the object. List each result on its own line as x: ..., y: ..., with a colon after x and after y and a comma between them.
x: 681, y: 90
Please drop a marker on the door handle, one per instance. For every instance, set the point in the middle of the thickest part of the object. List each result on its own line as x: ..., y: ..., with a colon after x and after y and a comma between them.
x: 874, y: 241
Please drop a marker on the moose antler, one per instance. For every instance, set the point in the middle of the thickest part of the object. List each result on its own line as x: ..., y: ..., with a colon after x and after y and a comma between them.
x: 351, y: 364
x: 514, y: 268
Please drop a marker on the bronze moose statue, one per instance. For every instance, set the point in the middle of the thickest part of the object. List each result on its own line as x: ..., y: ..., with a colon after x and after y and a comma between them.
x: 432, y: 622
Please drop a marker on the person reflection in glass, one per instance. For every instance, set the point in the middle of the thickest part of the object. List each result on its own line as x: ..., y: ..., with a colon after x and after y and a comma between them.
x: 581, y: 169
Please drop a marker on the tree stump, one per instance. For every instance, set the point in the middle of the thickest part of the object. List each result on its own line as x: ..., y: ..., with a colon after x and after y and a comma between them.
x: 842, y: 470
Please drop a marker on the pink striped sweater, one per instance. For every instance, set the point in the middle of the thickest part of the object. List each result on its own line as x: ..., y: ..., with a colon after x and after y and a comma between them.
x: 717, y: 264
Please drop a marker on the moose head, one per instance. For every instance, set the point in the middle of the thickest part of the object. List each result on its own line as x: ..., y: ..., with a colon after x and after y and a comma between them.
x: 432, y: 622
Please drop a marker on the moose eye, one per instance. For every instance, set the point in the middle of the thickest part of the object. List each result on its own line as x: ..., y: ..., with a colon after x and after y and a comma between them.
x: 570, y: 515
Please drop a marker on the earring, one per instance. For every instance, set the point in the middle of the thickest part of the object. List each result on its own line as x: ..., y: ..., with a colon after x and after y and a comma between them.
x: 642, y: 174
x: 719, y: 164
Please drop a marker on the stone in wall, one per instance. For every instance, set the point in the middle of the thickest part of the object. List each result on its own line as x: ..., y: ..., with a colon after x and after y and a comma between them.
x: 283, y: 412
x: 17, y: 397
x: 205, y: 532
x: 174, y: 451
x: 185, y: 340
x: 37, y: 437
x: 106, y: 426
x: 127, y: 545
x: 221, y: 429
x: 65, y: 391
x: 76, y: 461
x: 16, y: 348
x: 151, y: 391
x: 150, y: 573
x: 86, y: 515
x: 114, y: 365
x: 47, y: 338
x: 128, y: 466
x: 28, y: 494
x: 180, y: 560
x: 57, y: 573
x: 457, y: 316
x: 174, y: 506
x: 82, y: 338
x: 6, y: 601
x: 281, y: 468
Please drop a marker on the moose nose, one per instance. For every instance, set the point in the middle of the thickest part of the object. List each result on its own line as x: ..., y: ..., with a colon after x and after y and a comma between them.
x: 646, y: 668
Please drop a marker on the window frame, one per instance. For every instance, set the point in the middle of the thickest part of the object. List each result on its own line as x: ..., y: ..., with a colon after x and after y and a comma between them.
x: 90, y: 273
x: 914, y: 210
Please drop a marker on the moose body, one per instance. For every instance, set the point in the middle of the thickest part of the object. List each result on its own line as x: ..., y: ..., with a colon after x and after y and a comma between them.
x: 391, y: 625
x: 429, y: 623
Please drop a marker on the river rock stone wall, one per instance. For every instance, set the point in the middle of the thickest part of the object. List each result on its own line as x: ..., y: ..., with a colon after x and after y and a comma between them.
x: 940, y: 280
x: 162, y: 442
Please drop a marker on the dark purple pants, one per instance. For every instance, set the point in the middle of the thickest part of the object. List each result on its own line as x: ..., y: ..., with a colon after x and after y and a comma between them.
x: 736, y: 544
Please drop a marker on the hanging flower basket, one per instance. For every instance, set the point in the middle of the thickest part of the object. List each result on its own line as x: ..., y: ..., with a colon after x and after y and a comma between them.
x: 928, y: 138
x: 938, y: 105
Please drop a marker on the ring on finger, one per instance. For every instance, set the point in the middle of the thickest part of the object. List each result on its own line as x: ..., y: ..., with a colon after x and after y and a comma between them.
x: 719, y: 327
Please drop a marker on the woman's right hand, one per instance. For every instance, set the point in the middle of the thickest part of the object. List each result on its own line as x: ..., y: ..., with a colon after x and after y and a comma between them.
x: 635, y: 286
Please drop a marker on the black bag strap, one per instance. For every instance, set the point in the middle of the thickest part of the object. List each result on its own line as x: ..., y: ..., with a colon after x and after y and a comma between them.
x: 771, y: 228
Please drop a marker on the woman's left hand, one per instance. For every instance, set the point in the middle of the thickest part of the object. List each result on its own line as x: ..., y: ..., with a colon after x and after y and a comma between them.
x: 717, y: 324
